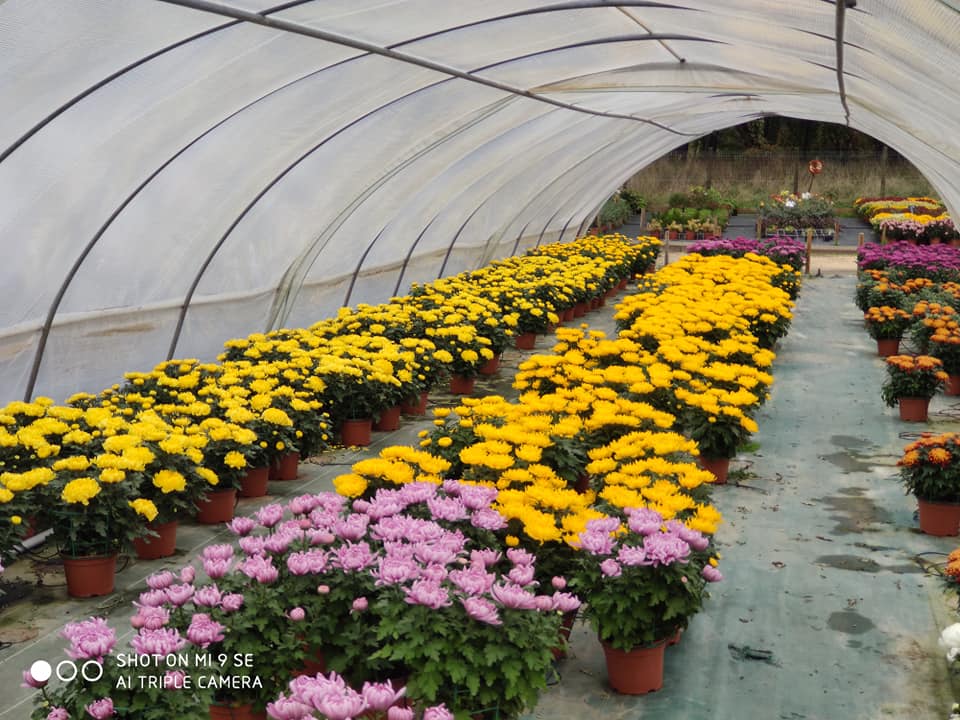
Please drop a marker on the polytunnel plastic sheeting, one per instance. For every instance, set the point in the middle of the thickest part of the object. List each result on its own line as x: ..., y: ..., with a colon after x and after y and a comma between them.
x: 184, y: 146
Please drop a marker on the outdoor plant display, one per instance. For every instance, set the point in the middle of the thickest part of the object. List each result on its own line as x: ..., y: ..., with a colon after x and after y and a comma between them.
x: 930, y: 470
x: 887, y: 323
x: 789, y: 214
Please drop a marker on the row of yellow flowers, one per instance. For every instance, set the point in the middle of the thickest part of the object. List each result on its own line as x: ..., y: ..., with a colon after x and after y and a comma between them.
x: 100, y: 467
x: 599, y: 423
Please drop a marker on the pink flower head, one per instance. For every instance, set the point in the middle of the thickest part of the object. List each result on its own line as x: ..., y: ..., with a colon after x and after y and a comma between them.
x: 58, y: 713
x: 354, y: 556
x: 179, y: 595
x: 320, y: 537
x: 339, y: 703
x: 610, y: 568
x: 511, y: 595
x: 270, y: 515
x: 161, y: 580
x: 473, y: 580
x: 261, y: 569
x: 400, y: 713
x: 434, y: 553
x: 101, y: 709
x: 231, y: 602
x: 485, y: 557
x: 521, y: 574
x: 207, y: 596
x: 380, y: 696
x: 361, y: 506
x: 711, y: 574
x: 297, y: 614
x: 477, y: 497
x: 487, y: 519
x: 449, y: 509
x: 251, y: 545
x: 644, y: 520
x: 188, y: 575
x: 360, y: 604
x: 519, y: 556
x: 352, y: 527
x: 307, y: 562
x: 434, y: 573
x: 544, y: 603
x: 284, y: 708
x: 393, y: 569
x: 153, y: 598
x: 428, y: 593
x: 417, y: 492
x: 559, y: 582
x: 216, y: 568
x: 632, y: 556
x: 565, y: 602
x: 242, y: 525
x: 281, y: 539
x: 204, y: 631
x: 437, y: 712
x: 695, y: 539
x: 596, y: 542
x: 323, y: 589
x: 482, y: 610
x: 89, y: 639
x: 302, y: 504
x: 665, y: 549
x: 222, y: 551
x: 150, y: 618
x: 166, y: 641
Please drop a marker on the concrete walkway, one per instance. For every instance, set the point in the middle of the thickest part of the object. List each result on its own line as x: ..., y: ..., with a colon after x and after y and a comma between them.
x: 824, y: 614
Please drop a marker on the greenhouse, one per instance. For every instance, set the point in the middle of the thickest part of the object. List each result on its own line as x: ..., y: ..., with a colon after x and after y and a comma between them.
x: 415, y: 359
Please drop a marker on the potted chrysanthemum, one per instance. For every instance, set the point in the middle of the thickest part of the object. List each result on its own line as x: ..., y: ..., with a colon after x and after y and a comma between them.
x: 642, y: 579
x: 886, y: 325
x: 930, y: 471
x: 911, y: 382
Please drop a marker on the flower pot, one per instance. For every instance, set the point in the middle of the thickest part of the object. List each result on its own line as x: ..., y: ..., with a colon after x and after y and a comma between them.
x: 254, y: 483
x: 888, y: 346
x: 594, y: 303
x: 935, y: 240
x: 580, y: 309
x: 952, y: 385
x: 624, y: 282
x: 566, y: 626
x: 285, y: 467
x: 939, y: 518
x: 236, y: 712
x: 673, y: 234
x: 720, y: 467
x: 90, y: 576
x: 460, y: 385
x: 217, y: 507
x: 635, y: 672
x: 389, y: 420
x: 152, y: 548
x: 357, y: 433
x: 525, y: 341
x: 491, y: 366
x: 568, y: 314
x: 416, y: 405
x: 690, y: 235
x: 913, y: 409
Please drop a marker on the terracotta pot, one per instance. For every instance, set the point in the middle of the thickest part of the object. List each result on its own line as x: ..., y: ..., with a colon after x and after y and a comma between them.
x: 952, y: 386
x: 236, y: 712
x: 939, y: 518
x: 415, y: 405
x: 690, y: 235
x: 254, y: 483
x: 594, y: 303
x: 285, y: 467
x: 673, y: 234
x: 389, y: 420
x: 566, y: 626
x: 655, y: 233
x: 624, y: 282
x: 935, y: 240
x: 914, y: 409
x: 888, y: 346
x: 153, y: 548
x: 357, y: 433
x: 580, y: 309
x: 491, y: 366
x: 525, y: 341
x: 720, y: 467
x: 217, y: 507
x: 90, y: 576
x: 460, y: 385
x: 635, y: 672
x: 568, y: 314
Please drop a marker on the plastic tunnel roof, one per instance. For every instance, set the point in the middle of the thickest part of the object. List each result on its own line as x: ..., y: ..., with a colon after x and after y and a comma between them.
x: 174, y: 173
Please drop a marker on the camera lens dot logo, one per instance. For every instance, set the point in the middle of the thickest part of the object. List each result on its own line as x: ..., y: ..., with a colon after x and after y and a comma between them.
x: 41, y: 671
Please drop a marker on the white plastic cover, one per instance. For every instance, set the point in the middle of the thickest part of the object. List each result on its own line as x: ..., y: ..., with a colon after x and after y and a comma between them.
x: 176, y: 173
